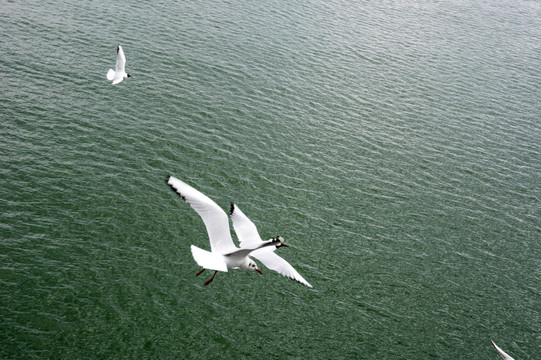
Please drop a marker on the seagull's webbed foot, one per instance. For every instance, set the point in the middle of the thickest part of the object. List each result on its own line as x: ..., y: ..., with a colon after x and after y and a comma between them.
x: 212, y: 278
x: 200, y: 272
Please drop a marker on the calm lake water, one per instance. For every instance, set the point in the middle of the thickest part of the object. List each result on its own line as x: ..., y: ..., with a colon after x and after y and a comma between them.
x: 395, y: 145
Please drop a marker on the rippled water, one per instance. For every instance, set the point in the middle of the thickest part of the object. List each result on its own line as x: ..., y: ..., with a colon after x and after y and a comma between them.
x: 395, y: 145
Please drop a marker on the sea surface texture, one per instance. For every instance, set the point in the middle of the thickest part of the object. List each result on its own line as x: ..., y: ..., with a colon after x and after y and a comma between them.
x: 395, y: 145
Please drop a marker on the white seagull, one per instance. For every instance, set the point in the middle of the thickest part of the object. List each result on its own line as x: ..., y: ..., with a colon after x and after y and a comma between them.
x: 501, y: 352
x: 224, y: 254
x: 120, y: 73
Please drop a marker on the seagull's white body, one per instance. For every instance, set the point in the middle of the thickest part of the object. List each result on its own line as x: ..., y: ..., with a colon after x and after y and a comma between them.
x: 224, y: 254
x: 120, y: 73
x: 501, y: 352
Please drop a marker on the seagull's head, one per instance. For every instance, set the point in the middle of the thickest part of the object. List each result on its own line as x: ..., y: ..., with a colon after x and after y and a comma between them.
x: 253, y: 266
x: 279, y: 241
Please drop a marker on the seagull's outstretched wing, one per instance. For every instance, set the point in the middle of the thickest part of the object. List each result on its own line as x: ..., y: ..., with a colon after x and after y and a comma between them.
x: 120, y: 60
x: 501, y: 352
x: 244, y: 228
x: 213, y: 216
x: 120, y: 72
x: 249, y: 237
x: 274, y: 262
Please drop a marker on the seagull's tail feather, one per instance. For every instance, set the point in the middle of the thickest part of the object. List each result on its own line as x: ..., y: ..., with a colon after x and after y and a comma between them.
x: 110, y: 74
x: 208, y: 260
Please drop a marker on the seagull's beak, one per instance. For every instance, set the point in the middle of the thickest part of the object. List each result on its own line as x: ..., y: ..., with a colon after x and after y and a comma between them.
x: 284, y: 244
x: 259, y: 271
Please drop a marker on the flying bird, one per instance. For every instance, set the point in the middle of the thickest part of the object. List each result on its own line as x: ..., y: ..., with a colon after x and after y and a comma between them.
x: 501, y: 352
x: 120, y: 73
x: 224, y: 254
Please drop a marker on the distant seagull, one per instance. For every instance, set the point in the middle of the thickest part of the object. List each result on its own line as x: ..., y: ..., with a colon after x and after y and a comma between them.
x: 120, y: 73
x: 224, y: 254
x: 501, y: 352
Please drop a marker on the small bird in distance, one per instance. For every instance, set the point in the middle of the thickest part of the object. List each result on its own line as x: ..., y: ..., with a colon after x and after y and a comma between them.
x: 119, y: 74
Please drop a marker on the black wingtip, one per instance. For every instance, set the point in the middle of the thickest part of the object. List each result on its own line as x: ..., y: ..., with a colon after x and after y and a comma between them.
x: 231, y: 209
x: 173, y: 188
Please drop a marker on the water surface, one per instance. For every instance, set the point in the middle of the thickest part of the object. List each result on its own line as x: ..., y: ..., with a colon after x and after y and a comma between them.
x: 396, y: 146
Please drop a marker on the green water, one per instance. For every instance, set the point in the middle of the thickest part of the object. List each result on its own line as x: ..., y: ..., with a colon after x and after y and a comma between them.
x: 396, y: 146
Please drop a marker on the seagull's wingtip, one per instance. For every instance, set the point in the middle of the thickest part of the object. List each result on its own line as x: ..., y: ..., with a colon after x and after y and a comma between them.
x: 501, y: 352
x: 168, y: 182
x: 175, y: 190
x: 300, y: 281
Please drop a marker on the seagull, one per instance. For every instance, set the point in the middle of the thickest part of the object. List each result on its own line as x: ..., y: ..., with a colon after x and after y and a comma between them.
x: 120, y: 73
x: 224, y: 254
x: 501, y: 352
